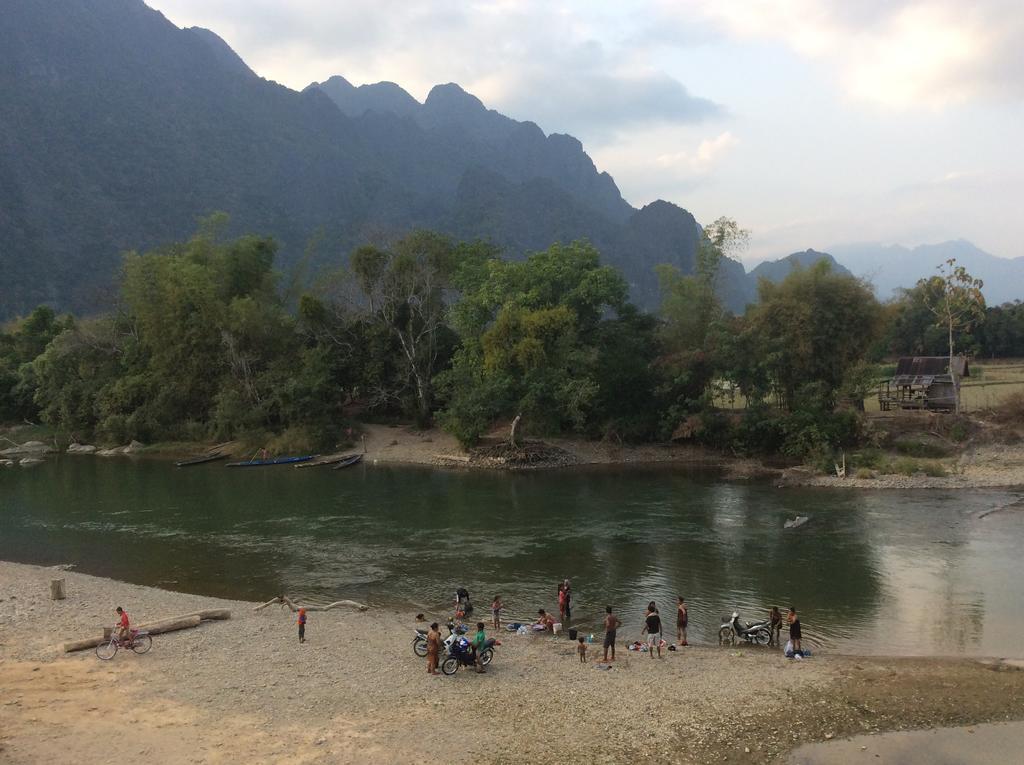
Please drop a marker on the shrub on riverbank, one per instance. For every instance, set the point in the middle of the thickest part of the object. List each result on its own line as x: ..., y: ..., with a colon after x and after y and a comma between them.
x: 910, y: 466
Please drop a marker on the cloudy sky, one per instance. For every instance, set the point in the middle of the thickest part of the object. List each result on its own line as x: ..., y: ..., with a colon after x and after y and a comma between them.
x: 812, y: 122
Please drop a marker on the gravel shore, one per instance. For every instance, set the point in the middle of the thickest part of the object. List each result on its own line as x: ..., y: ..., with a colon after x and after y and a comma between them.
x: 245, y: 690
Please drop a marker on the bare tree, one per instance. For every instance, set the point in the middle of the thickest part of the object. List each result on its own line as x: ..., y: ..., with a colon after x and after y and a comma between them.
x: 405, y: 288
x: 957, y: 304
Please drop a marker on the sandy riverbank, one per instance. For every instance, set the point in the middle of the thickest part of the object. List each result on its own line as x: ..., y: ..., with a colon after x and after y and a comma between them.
x: 246, y: 691
x: 984, y: 467
x: 401, y: 445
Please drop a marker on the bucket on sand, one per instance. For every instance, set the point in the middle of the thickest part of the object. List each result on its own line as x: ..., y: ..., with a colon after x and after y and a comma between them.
x: 572, y: 634
x: 556, y: 628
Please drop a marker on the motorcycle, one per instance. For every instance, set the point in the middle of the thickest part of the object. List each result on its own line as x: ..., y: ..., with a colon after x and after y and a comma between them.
x: 460, y: 654
x: 733, y: 631
x: 419, y: 642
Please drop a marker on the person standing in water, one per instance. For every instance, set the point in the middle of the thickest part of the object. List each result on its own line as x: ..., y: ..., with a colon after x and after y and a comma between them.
x: 496, y: 606
x: 682, y: 619
x: 775, y: 625
x: 563, y: 599
x: 794, y: 630
x: 567, y: 588
x: 611, y: 623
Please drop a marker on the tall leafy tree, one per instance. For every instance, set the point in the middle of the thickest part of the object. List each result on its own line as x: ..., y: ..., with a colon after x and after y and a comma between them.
x: 694, y: 322
x: 406, y: 287
x: 19, y: 346
x: 534, y: 335
x: 813, y: 327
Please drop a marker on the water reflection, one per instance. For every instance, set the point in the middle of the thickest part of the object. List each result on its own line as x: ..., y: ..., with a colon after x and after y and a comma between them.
x: 888, y: 572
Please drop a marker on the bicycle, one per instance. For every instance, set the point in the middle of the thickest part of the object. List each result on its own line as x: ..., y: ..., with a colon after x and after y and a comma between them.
x: 138, y: 641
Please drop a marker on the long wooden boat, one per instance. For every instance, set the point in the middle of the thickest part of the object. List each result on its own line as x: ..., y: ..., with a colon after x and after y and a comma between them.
x: 323, y: 461
x: 275, y: 461
x: 211, y: 457
x: 352, y: 459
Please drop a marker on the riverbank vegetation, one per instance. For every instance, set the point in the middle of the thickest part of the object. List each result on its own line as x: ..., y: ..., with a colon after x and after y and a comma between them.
x: 205, y: 341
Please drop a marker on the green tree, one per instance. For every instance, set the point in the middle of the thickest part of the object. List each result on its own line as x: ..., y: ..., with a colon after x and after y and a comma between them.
x: 694, y: 322
x: 1001, y: 334
x: 19, y: 346
x: 535, y: 337
x: 406, y: 287
x: 813, y: 327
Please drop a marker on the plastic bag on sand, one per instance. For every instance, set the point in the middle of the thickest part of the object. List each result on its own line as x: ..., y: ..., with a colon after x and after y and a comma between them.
x: 522, y: 631
x: 788, y: 650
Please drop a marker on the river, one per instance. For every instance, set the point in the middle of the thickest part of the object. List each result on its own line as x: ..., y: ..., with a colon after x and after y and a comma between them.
x: 887, y: 572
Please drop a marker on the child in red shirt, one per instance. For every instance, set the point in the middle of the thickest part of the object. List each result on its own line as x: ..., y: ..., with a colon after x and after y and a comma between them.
x: 302, y: 625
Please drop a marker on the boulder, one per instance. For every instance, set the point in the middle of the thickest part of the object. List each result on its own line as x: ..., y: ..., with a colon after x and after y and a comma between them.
x: 116, y: 451
x: 81, y: 449
x: 29, y: 447
x: 27, y: 462
x: 6, y: 463
x: 134, y: 447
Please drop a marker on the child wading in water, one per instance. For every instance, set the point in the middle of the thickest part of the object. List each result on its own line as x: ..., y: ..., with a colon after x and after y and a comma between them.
x: 496, y: 606
x: 682, y: 619
x: 581, y: 649
x: 302, y: 625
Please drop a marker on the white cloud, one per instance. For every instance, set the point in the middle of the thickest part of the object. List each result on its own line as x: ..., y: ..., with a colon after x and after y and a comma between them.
x: 672, y: 173
x: 569, y: 66
x: 895, y: 52
x: 698, y: 162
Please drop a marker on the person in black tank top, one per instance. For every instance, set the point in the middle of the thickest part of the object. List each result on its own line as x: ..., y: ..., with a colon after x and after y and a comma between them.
x: 794, y: 630
x: 652, y: 626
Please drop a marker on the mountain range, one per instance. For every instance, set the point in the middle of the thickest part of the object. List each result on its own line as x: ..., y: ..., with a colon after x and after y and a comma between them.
x: 119, y: 131
x: 890, y: 267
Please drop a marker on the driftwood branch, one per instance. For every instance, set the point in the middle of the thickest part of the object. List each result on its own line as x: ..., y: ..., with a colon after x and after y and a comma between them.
x: 270, y: 602
x: 285, y: 600
x: 512, y: 430
x: 156, y: 628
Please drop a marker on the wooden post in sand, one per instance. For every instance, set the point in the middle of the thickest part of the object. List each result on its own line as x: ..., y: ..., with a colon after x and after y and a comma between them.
x: 57, y: 590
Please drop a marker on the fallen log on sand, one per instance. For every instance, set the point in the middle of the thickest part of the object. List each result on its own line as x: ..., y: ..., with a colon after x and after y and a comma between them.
x: 211, y: 614
x: 284, y: 599
x: 155, y: 628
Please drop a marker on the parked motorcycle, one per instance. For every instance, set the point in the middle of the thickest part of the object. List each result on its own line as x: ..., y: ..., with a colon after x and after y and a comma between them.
x: 419, y: 643
x: 732, y: 631
x: 460, y: 654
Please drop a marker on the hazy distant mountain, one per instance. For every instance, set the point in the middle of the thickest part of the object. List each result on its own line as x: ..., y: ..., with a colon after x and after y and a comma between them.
x: 890, y: 267
x: 119, y: 130
x: 777, y: 270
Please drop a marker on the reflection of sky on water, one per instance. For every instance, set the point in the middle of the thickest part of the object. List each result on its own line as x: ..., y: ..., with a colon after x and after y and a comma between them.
x: 886, y: 572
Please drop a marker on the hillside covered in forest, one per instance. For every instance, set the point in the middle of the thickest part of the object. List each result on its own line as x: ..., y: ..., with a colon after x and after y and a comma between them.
x: 121, y: 130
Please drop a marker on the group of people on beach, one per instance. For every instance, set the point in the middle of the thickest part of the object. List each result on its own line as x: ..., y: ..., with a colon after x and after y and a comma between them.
x: 653, y: 627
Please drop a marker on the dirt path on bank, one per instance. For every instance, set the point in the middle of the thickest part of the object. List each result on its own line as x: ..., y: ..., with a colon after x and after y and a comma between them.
x: 246, y: 691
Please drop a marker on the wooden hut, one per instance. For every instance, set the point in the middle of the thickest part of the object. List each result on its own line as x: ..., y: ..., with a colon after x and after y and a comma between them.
x: 924, y: 382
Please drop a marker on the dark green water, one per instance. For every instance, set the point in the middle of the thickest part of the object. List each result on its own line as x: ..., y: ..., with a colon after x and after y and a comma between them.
x: 883, y: 572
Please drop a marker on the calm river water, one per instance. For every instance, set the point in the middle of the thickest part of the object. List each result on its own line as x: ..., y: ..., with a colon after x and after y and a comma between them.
x: 926, y: 572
